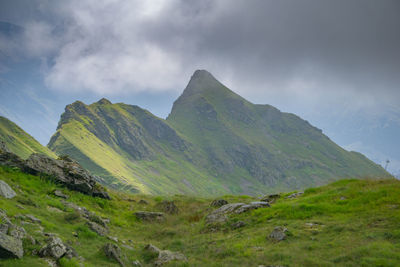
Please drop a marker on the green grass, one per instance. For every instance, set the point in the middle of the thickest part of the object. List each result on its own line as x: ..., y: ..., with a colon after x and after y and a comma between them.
x: 356, y: 224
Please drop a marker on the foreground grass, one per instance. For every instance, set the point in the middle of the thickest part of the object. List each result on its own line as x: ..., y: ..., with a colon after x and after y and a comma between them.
x: 354, y: 223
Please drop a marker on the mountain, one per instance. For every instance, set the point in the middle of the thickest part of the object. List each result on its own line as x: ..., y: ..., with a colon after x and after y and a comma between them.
x: 19, y: 142
x: 214, y: 141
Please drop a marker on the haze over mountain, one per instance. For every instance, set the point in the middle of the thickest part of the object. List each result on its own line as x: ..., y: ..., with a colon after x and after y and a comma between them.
x: 213, y: 142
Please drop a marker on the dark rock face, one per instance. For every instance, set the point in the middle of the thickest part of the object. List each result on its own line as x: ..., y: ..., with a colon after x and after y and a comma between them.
x: 67, y: 172
x: 218, y: 203
x: 150, y: 216
x: 113, y: 252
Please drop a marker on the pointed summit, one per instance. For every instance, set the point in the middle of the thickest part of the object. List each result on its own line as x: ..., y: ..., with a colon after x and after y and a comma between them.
x: 104, y: 101
x: 200, y: 82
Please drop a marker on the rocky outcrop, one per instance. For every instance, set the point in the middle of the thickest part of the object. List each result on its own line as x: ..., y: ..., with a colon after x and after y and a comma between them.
x: 60, y: 194
x: 3, y: 147
x: 164, y: 256
x: 113, y: 252
x: 10, y: 247
x: 150, y: 216
x: 54, y: 248
x: 295, y: 195
x: 67, y: 172
x: 220, y: 215
x: 6, y: 191
x: 95, y: 227
x: 218, y: 203
x: 270, y: 198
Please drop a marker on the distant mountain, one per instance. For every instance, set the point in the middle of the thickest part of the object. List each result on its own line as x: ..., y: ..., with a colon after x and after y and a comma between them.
x: 18, y: 141
x: 213, y: 142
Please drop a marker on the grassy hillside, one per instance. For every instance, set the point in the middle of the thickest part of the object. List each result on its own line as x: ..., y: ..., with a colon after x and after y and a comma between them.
x: 347, y: 223
x: 18, y: 141
x: 130, y: 149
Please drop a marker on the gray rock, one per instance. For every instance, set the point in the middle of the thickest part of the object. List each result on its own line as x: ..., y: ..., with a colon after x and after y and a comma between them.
x: 17, y: 232
x: 295, y: 195
x: 5, y: 222
x: 58, y: 193
x: 165, y: 256
x: 113, y: 252
x: 100, y: 230
x: 136, y: 263
x: 143, y: 202
x: 97, y: 219
x: 270, y: 198
x: 54, y: 248
x: 150, y: 216
x: 70, y: 253
x: 6, y: 191
x: 33, y: 218
x: 278, y: 234
x: 218, y: 203
x: 113, y: 238
x: 67, y: 172
x: 219, y: 215
x: 252, y: 206
x: 10, y: 247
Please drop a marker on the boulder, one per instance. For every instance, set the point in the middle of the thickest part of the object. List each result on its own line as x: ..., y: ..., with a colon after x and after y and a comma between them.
x: 164, y: 256
x: 17, y: 232
x: 113, y: 252
x: 12, y: 160
x: 295, y: 195
x: 6, y: 191
x: 278, y: 234
x: 54, y: 248
x: 100, y: 230
x: 169, y: 207
x: 58, y: 193
x: 10, y: 247
x: 5, y: 222
x: 238, y: 224
x: 218, y: 203
x: 150, y: 216
x: 252, y: 206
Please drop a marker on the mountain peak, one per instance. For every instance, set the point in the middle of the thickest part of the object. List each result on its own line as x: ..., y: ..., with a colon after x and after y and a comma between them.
x: 104, y: 101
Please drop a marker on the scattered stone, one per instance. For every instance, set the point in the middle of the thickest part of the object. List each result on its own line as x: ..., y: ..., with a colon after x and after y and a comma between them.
x: 112, y: 251
x: 252, y: 206
x: 278, y: 234
x: 70, y: 252
x: 33, y: 218
x: 238, y: 224
x: 5, y: 222
x: 81, y: 210
x: 127, y: 247
x: 74, y: 234
x: 218, y: 203
x: 20, y: 206
x: 97, y: 219
x: 6, y: 191
x: 136, y: 263
x: 164, y: 256
x: 169, y: 207
x: 31, y: 239
x: 58, y: 193
x: 343, y: 198
x: 100, y: 230
x: 150, y: 216
x: 270, y: 198
x: 143, y: 202
x: 54, y: 248
x: 219, y: 215
x: 51, y: 262
x: 10, y: 247
x: 295, y: 195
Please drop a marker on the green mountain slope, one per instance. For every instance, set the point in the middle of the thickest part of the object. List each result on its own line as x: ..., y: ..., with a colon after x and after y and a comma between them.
x: 257, y: 146
x: 19, y: 142
x: 130, y: 149
x: 213, y: 142
x: 347, y: 223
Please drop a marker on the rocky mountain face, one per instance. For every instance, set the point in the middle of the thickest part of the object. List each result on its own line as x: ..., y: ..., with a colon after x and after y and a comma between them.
x: 213, y: 142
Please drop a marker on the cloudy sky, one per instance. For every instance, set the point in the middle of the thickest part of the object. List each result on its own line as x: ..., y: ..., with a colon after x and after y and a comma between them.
x: 336, y: 63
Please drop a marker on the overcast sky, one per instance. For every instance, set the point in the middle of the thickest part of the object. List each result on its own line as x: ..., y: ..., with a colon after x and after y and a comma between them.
x: 304, y: 56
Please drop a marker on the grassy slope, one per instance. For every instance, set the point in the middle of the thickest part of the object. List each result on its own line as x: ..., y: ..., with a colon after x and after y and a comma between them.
x: 19, y: 142
x: 357, y: 225
x: 289, y: 151
x: 166, y: 173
